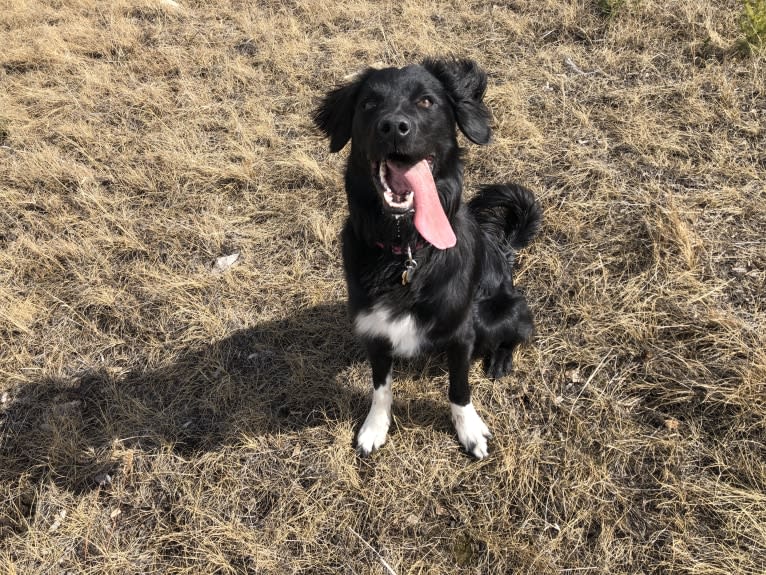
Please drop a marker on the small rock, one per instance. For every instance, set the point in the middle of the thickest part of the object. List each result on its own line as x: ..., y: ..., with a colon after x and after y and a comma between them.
x: 573, y: 375
x: 225, y: 262
x: 672, y: 424
x: 103, y: 479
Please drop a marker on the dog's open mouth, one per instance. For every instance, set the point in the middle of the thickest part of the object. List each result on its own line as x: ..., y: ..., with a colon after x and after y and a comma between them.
x: 408, y: 186
x: 392, y: 178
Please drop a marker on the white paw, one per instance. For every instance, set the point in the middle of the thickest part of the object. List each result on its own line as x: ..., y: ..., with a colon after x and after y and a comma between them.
x: 471, y: 430
x: 373, y: 433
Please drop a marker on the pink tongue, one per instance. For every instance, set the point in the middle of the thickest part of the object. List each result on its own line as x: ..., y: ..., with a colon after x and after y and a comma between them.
x: 430, y: 219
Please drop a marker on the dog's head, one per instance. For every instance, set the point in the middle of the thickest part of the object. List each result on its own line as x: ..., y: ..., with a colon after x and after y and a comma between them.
x: 401, y: 122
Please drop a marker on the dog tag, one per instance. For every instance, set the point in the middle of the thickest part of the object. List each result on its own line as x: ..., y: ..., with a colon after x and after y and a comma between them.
x: 409, y: 267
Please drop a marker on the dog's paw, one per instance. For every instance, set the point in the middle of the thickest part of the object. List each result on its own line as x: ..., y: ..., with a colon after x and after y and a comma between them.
x: 373, y: 433
x: 471, y: 430
x: 499, y: 364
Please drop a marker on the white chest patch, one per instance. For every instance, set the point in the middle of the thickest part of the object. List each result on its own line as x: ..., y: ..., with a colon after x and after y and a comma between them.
x: 402, y: 332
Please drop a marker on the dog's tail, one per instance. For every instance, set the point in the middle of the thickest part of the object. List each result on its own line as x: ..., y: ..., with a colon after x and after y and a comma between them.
x: 509, y: 214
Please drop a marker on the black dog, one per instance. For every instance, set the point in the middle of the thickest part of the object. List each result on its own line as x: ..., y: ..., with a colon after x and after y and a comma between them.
x: 425, y: 272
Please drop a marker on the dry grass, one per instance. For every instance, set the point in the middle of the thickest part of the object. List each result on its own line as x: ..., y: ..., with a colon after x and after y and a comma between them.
x: 160, y: 418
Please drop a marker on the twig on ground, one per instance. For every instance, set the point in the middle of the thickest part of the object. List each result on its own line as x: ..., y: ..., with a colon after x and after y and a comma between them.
x: 569, y: 63
x: 371, y: 548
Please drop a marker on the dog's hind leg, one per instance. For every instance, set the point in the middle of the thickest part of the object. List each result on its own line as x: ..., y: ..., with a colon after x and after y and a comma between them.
x: 506, y: 322
x: 499, y: 363
x: 471, y: 430
x: 372, y: 434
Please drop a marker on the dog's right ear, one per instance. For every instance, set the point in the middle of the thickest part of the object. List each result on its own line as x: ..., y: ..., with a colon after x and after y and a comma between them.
x: 335, y: 113
x: 465, y: 83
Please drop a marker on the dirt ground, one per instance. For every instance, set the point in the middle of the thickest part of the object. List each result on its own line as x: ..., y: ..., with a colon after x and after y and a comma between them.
x: 159, y: 415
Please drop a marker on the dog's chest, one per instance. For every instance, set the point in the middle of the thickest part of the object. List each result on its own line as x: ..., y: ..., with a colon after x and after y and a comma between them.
x: 402, y: 332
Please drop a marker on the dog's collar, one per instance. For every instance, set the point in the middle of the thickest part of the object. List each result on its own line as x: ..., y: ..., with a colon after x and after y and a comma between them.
x: 397, y: 250
x: 410, y: 263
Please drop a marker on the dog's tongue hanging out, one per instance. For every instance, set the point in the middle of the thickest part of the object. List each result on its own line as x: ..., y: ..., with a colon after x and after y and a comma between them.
x: 430, y: 219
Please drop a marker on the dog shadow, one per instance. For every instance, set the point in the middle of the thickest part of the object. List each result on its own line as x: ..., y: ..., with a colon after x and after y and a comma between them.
x: 281, y: 376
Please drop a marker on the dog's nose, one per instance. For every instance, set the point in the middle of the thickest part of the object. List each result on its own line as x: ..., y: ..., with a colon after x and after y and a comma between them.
x: 394, y: 125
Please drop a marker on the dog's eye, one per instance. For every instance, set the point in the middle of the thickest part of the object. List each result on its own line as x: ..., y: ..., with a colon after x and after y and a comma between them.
x: 425, y: 102
x: 369, y: 105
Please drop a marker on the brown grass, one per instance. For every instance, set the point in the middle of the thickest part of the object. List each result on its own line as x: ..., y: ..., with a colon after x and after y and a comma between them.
x: 156, y: 417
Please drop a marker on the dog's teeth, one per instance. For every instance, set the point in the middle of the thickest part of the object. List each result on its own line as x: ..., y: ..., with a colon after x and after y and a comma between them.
x: 392, y: 200
x: 382, y: 176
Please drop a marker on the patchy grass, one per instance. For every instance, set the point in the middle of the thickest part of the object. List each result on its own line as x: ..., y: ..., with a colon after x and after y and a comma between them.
x: 157, y: 417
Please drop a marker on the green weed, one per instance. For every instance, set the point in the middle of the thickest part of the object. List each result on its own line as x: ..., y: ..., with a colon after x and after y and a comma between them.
x: 609, y: 7
x: 753, y: 24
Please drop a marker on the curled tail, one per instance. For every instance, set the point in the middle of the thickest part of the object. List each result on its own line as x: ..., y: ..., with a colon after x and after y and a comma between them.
x: 508, y: 214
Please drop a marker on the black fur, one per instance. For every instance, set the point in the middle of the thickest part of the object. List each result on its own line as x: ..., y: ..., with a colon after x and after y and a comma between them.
x: 462, y: 298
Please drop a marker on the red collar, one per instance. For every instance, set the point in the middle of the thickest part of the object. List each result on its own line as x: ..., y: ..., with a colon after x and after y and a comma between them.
x: 397, y: 250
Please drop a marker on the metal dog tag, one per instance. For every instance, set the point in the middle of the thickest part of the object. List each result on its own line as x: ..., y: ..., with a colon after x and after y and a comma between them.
x: 409, y: 267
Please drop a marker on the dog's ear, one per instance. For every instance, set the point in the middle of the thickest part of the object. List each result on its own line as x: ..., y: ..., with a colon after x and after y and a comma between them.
x: 465, y: 83
x: 335, y: 113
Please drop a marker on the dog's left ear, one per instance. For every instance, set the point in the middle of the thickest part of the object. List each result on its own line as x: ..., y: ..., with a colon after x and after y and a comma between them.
x: 335, y: 113
x: 465, y: 83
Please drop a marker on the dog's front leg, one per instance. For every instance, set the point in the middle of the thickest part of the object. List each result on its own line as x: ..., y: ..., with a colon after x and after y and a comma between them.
x: 471, y: 430
x: 373, y: 432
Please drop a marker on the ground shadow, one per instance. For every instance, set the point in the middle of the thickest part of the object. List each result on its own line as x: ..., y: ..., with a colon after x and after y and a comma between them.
x: 277, y: 376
